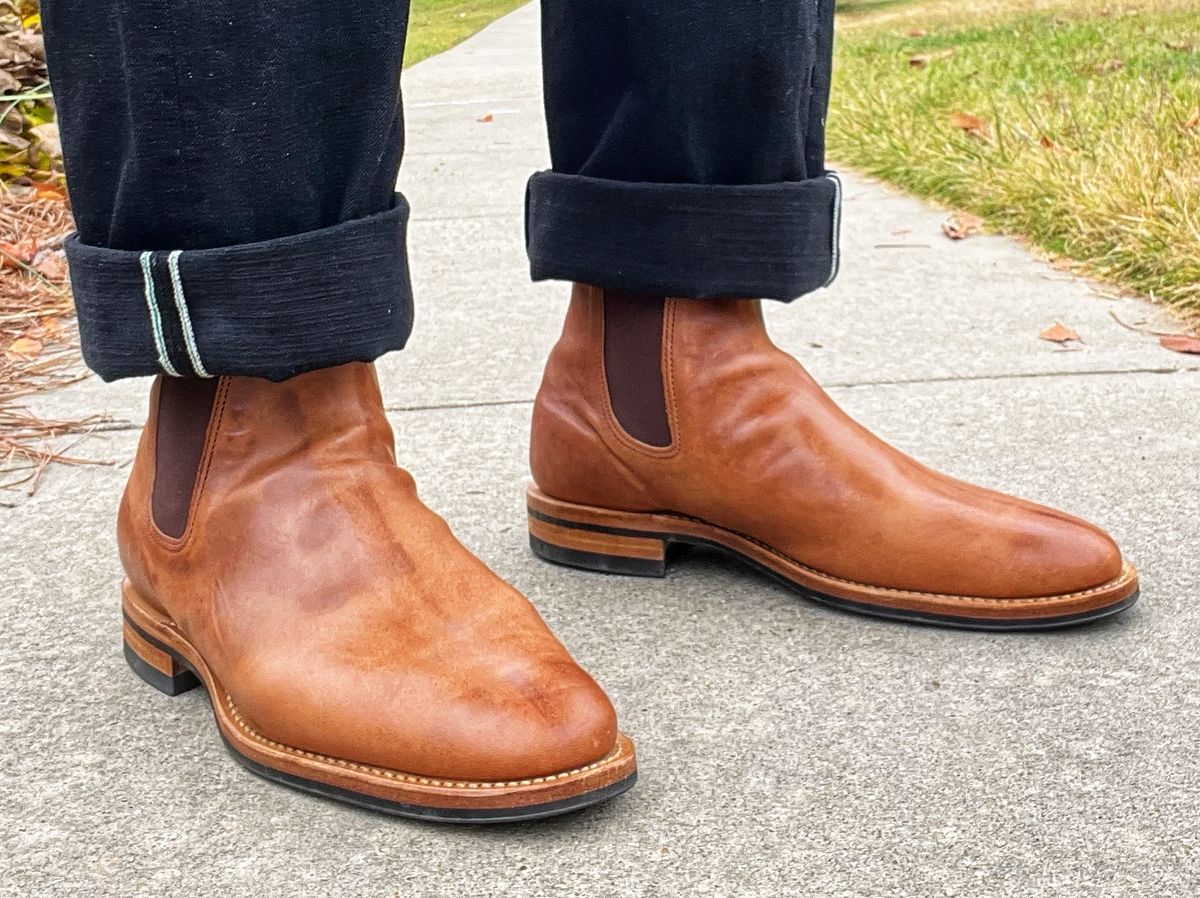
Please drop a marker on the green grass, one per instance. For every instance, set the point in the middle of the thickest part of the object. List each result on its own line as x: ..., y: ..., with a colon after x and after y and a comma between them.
x: 437, y: 25
x: 1087, y: 148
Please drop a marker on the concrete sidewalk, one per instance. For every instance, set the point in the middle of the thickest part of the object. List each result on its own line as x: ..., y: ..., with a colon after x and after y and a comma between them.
x: 786, y: 749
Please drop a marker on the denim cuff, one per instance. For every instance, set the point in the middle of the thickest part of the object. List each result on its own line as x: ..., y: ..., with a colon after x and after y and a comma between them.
x: 770, y: 241
x: 271, y: 309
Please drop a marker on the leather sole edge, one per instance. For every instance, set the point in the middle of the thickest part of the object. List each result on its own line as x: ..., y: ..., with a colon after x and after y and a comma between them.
x: 637, y: 543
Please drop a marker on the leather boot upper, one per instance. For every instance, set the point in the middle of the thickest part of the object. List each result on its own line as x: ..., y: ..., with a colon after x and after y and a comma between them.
x: 759, y: 449
x: 341, y: 615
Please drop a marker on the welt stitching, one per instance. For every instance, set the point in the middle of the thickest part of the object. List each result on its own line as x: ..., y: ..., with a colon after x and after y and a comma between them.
x: 246, y: 728
x: 408, y: 777
x: 1124, y: 577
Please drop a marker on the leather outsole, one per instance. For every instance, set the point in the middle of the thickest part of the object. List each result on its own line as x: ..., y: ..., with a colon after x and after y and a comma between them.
x: 638, y: 543
x: 160, y: 655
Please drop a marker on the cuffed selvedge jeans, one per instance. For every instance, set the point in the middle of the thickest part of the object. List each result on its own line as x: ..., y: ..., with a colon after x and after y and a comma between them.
x: 232, y: 168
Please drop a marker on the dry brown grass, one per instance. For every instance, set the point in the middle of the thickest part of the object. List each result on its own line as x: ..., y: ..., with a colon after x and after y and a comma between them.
x: 38, y: 341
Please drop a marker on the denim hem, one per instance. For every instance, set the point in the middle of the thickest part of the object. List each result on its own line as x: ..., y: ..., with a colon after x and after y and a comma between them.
x: 770, y: 241
x: 270, y: 309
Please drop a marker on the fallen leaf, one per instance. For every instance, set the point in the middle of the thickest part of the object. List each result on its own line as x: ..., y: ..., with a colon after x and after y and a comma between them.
x: 51, y: 327
x: 14, y: 255
x: 972, y: 124
x: 966, y: 121
x: 961, y: 225
x: 16, y: 141
x: 45, y: 190
x: 1060, y: 333
x: 48, y: 141
x: 923, y: 59
x: 1047, y: 143
x: 1193, y: 121
x: 32, y: 43
x: 24, y: 349
x: 484, y: 119
x: 53, y: 267
x: 1181, y: 343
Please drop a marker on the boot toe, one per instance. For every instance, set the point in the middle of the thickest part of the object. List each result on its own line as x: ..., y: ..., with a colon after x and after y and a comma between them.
x: 502, y: 733
x: 534, y: 734
x: 1071, y: 556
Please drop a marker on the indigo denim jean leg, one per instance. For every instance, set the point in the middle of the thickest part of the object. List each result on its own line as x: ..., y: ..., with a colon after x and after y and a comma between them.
x: 232, y: 170
x: 687, y: 139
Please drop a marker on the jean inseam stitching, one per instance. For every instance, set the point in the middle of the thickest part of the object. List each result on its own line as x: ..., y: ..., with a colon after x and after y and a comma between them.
x: 160, y: 342
x: 185, y: 320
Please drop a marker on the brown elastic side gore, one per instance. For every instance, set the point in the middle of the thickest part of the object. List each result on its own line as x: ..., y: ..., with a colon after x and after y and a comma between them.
x: 184, y: 408
x: 633, y: 334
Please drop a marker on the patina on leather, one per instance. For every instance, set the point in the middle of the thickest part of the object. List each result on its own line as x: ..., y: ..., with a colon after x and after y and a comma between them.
x: 760, y: 450
x: 341, y: 615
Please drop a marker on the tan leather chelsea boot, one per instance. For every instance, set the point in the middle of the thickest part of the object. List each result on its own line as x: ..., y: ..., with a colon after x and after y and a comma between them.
x: 350, y: 645
x: 678, y: 422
